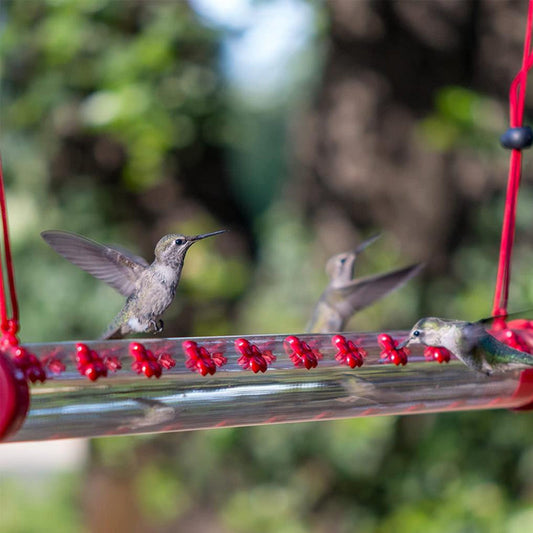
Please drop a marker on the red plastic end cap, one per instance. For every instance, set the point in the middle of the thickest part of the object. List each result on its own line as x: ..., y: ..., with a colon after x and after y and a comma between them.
x: 525, y: 391
x: 14, y: 397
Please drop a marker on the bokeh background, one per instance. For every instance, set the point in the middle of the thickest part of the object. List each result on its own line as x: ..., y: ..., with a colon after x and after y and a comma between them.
x: 303, y: 126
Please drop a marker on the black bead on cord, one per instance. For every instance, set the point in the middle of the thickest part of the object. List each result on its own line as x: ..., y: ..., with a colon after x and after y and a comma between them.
x: 517, y: 138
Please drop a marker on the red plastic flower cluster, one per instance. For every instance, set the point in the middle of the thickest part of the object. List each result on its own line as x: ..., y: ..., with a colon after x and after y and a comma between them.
x: 55, y: 365
x: 437, y: 353
x: 112, y: 362
x: 89, y: 363
x: 145, y: 362
x: 200, y: 360
x: 252, y: 357
x: 300, y: 353
x: 348, y: 352
x: 166, y: 361
x: 390, y: 351
x: 29, y: 365
x: 506, y: 333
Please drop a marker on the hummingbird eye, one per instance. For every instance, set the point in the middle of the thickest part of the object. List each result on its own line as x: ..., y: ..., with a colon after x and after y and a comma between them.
x: 416, y: 333
x: 179, y: 241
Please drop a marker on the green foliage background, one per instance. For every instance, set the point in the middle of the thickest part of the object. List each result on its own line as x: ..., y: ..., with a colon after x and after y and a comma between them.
x: 107, y: 109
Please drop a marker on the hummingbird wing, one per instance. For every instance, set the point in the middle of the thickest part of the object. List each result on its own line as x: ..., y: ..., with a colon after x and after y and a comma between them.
x: 525, y: 313
x: 362, y: 292
x: 118, y: 269
x: 135, y: 258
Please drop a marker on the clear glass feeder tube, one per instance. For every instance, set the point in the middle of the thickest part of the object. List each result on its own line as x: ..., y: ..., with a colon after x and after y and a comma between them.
x: 69, y: 405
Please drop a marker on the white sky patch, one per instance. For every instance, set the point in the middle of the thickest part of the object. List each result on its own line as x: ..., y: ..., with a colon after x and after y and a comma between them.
x: 263, y: 42
x: 231, y: 14
x: 43, y: 457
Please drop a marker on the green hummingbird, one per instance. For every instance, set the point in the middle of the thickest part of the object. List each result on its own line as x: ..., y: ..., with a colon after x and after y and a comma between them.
x: 149, y: 289
x: 470, y: 342
x: 345, y: 295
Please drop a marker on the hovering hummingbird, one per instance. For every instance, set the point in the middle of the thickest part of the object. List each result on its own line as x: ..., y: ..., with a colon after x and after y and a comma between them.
x: 470, y: 342
x: 149, y: 289
x: 345, y: 295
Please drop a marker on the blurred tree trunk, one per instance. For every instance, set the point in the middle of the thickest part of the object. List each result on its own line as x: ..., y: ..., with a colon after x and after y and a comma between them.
x: 363, y: 159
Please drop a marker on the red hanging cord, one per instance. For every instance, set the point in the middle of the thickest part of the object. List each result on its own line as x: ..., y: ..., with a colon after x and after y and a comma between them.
x: 7, y: 325
x: 517, y: 96
x: 25, y: 361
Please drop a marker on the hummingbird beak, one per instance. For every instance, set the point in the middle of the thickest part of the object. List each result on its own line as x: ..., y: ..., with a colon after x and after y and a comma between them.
x: 366, y: 243
x: 404, y: 343
x: 205, y: 235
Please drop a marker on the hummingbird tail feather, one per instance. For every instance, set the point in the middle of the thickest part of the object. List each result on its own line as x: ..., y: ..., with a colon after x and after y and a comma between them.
x: 113, y: 332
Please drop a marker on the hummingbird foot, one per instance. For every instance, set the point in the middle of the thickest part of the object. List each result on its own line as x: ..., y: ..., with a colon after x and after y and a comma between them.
x: 156, y: 326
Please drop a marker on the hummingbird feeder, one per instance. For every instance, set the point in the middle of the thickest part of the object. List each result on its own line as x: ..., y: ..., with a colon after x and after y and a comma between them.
x: 118, y: 387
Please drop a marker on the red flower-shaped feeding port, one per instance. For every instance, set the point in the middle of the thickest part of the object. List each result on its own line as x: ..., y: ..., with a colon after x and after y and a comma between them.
x: 348, y: 352
x: 145, y: 362
x: 252, y: 357
x: 29, y: 364
x: 89, y: 363
x: 390, y: 351
x: 300, y: 353
x: 200, y: 360
x: 437, y: 353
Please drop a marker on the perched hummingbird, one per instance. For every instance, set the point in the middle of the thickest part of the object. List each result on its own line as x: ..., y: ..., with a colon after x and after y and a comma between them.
x: 470, y: 342
x: 345, y: 295
x: 149, y: 289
